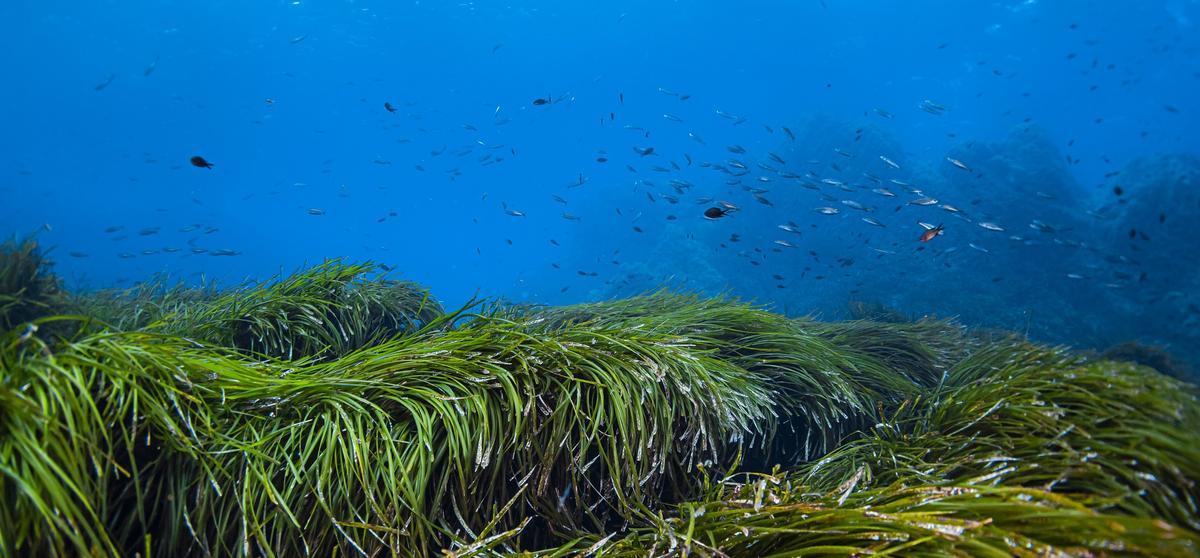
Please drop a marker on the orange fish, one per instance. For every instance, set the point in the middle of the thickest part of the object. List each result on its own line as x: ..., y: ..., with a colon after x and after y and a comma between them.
x: 929, y: 234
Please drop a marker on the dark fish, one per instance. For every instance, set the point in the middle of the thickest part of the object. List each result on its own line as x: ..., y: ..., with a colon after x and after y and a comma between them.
x: 714, y: 213
x: 198, y: 161
x: 543, y: 101
x: 107, y: 81
x: 388, y: 107
x: 644, y: 151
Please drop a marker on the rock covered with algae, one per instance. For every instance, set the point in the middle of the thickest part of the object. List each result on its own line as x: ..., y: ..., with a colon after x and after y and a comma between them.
x: 335, y: 412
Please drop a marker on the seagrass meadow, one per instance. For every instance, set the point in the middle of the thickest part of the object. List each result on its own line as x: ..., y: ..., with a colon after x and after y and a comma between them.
x: 336, y: 412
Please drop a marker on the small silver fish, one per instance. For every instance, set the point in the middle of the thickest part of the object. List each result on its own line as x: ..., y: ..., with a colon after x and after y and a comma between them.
x: 932, y: 107
x: 1040, y: 226
x: 958, y: 164
x: 30, y: 329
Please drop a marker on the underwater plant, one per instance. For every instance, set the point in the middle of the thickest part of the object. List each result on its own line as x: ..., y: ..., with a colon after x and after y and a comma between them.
x: 1023, y: 451
x: 874, y: 311
x: 28, y: 289
x: 326, y: 310
x: 1148, y: 355
x: 140, y: 305
x: 335, y: 412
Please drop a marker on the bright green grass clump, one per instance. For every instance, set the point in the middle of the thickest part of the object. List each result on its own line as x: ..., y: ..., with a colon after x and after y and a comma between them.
x: 335, y: 412
x: 1023, y: 451
x: 327, y: 310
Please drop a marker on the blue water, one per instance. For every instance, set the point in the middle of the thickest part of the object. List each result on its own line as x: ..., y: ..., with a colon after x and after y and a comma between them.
x: 105, y: 102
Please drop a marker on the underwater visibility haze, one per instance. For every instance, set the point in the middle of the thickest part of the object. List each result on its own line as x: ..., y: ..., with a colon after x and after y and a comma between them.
x: 669, y: 278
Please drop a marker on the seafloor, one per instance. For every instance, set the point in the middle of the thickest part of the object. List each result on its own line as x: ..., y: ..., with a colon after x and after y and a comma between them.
x: 338, y: 413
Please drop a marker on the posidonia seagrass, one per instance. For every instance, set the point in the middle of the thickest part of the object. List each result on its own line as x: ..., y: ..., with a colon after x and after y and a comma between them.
x: 336, y: 412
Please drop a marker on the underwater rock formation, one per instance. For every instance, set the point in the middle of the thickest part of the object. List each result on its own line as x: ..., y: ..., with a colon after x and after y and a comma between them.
x: 1024, y: 167
x: 1150, y: 236
x: 665, y: 423
x: 676, y: 259
x: 1160, y: 201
